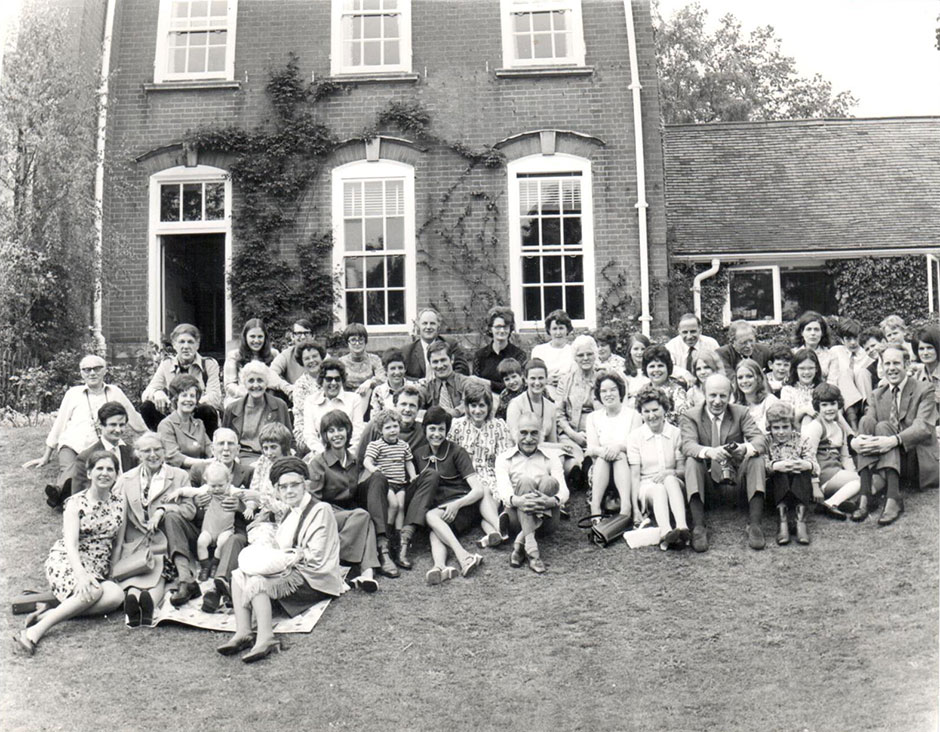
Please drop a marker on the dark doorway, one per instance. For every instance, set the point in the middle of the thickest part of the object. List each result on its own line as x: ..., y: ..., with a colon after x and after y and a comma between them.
x: 194, y: 287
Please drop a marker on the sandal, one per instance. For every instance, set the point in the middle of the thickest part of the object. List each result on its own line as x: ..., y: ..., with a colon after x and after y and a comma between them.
x: 448, y: 573
x: 34, y: 616
x: 23, y: 644
x: 494, y: 538
x: 434, y: 576
x: 366, y: 585
x: 471, y: 564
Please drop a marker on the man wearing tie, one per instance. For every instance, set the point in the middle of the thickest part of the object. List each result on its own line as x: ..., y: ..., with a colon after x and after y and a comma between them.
x: 708, y: 431
x: 688, y: 346
x: 445, y: 389
x: 896, y: 439
x: 742, y: 343
x: 418, y: 353
x: 112, y: 419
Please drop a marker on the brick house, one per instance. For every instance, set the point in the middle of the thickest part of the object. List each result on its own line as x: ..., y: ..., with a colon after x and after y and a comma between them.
x: 546, y: 82
x: 772, y: 204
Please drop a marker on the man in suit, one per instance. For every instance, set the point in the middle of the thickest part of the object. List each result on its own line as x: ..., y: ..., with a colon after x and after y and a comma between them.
x: 112, y: 419
x: 445, y: 389
x: 708, y: 432
x: 742, y: 343
x: 896, y: 438
x: 416, y: 353
x: 686, y: 347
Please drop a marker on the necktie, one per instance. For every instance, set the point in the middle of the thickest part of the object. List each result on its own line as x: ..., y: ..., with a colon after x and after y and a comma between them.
x: 690, y: 361
x: 895, y: 417
x: 446, y: 403
x: 716, y: 441
x: 116, y: 451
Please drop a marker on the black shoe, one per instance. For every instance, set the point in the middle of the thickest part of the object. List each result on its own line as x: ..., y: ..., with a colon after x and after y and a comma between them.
x: 699, y: 539
x: 402, y: 559
x: 184, y: 593
x: 210, y: 601
x: 205, y: 569
x: 386, y: 566
x: 146, y: 609
x: 518, y: 556
x: 131, y: 610
x: 53, y: 497
x: 892, y: 510
x: 223, y: 588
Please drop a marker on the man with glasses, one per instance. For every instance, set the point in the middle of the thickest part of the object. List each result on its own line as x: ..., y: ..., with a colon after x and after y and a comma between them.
x: 742, y: 343
x: 76, y: 425
x: 285, y: 366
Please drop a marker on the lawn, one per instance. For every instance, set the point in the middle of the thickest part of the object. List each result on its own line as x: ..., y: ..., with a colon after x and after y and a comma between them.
x: 841, y: 635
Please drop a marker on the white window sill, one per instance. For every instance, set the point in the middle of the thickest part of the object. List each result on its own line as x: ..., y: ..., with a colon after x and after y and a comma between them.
x: 376, y: 77
x: 191, y: 85
x: 523, y: 72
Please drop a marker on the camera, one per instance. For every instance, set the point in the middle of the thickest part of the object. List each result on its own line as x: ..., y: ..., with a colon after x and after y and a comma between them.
x: 728, y: 470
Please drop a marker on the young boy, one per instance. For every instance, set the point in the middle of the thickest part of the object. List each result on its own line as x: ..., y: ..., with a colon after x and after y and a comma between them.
x: 778, y: 363
x: 791, y: 466
x: 511, y: 372
x: 872, y: 341
x: 851, y: 360
x: 391, y: 456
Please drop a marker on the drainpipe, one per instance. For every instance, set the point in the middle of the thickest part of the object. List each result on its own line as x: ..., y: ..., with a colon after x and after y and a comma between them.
x: 697, y: 286
x: 98, y: 319
x: 641, y: 204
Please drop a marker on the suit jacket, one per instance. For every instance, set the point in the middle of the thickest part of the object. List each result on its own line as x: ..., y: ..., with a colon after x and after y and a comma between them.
x: 275, y: 410
x: 731, y: 358
x: 416, y: 364
x: 241, y: 475
x: 457, y: 385
x: 79, y: 478
x: 737, y: 425
x: 917, y: 418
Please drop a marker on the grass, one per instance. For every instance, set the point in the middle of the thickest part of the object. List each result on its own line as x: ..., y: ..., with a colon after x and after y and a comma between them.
x: 841, y: 635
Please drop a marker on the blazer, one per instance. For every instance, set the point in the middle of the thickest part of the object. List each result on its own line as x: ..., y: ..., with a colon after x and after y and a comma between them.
x: 416, y: 364
x: 241, y: 476
x: 179, y: 442
x: 737, y: 425
x: 274, y: 410
x: 917, y: 418
x: 80, y: 467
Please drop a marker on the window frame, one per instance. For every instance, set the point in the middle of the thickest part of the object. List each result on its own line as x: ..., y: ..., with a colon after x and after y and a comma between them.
x: 933, y: 285
x: 778, y: 305
x: 576, y: 50
x: 161, y: 57
x: 337, y: 67
x: 365, y: 170
x: 546, y: 165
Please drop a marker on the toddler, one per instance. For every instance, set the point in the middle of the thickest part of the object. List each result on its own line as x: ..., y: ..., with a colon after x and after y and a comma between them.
x: 391, y: 457
x: 513, y: 382
x: 791, y: 466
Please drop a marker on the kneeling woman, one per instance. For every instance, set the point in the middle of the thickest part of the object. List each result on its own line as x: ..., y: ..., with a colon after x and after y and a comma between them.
x: 309, y: 542
x: 80, y: 561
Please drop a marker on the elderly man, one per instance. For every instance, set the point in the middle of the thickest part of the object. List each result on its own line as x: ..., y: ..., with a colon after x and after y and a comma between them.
x: 689, y: 345
x: 285, y: 365
x: 742, y: 343
x: 75, y: 428
x: 531, y: 484
x: 417, y: 358
x: 896, y: 440
x: 722, y: 443
x: 445, y: 389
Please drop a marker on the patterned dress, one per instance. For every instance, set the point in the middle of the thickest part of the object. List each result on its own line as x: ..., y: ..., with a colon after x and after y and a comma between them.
x: 483, y: 444
x: 98, y: 524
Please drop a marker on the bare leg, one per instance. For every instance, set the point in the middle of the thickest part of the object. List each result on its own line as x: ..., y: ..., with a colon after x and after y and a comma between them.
x: 841, y: 487
x: 224, y: 536
x: 242, y: 613
x: 599, y: 481
x: 530, y: 523
x: 202, y: 545
x: 622, y: 482
x: 676, y: 501
x: 107, y: 597
x: 657, y: 496
x: 438, y: 551
x: 445, y: 534
x: 489, y: 510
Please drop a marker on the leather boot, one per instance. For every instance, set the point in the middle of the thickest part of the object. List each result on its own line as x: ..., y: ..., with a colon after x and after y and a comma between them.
x: 861, y: 513
x: 802, y: 533
x: 783, y: 534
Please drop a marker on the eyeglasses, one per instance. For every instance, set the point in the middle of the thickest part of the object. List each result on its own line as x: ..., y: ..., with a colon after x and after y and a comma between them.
x: 355, y: 339
x: 92, y: 369
x: 332, y: 378
x: 301, y: 332
x: 293, y: 484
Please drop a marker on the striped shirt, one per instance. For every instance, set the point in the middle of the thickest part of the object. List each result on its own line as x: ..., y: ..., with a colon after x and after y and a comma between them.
x: 390, y: 459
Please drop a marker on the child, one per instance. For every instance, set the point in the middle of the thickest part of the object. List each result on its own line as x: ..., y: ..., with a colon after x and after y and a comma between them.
x: 275, y: 439
x: 895, y: 330
x: 805, y: 375
x: 511, y: 372
x: 607, y: 360
x: 383, y: 397
x: 851, y: 360
x: 791, y: 467
x: 778, y: 363
x: 839, y: 481
x: 872, y: 341
x: 391, y: 457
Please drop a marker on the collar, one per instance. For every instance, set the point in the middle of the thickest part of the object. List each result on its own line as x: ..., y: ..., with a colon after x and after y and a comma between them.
x: 324, y: 399
x: 197, y: 362
x: 331, y: 459
x: 111, y: 446
x: 647, y: 434
x: 538, y: 450
x: 901, y: 385
x: 716, y: 417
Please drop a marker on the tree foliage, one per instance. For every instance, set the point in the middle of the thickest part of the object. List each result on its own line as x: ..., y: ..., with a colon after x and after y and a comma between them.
x: 727, y: 75
x: 47, y: 169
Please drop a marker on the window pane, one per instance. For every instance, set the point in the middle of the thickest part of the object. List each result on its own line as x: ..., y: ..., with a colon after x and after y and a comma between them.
x: 554, y: 299
x: 396, y: 307
x: 170, y: 202
x: 199, y: 9
x: 354, y: 312
x: 176, y: 63
x: 375, y: 306
x: 395, y: 233
x: 530, y: 232
x: 375, y: 272
x: 215, y: 201
x: 551, y: 267
x: 219, y: 8
x: 572, y: 232
x: 571, y: 196
x: 531, y: 303
x: 551, y: 232
x: 752, y: 295
x: 542, y: 45
x: 216, y: 60
x: 551, y: 196
x: 521, y: 22
x: 523, y: 47
x: 391, y: 52
x: 372, y: 53
x: 395, y: 197
x: 574, y: 269
x: 391, y: 26
x: 803, y: 290
x: 373, y: 197
x: 541, y: 21
x: 372, y: 26
x: 530, y: 271
x: 352, y: 199
x: 574, y: 302
x: 561, y: 45
x: 396, y: 271
x: 192, y: 202
x: 374, y: 235
x: 352, y: 235
x: 354, y: 273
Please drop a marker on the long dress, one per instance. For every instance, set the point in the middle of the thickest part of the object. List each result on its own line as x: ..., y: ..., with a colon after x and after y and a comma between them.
x: 98, y: 524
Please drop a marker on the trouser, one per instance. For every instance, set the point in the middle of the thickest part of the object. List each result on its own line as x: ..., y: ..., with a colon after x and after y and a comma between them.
x: 356, y: 537
x: 902, y: 461
x: 228, y: 554
x: 181, y: 535
x: 419, y: 497
x: 798, y: 485
x: 66, y: 458
x: 698, y: 479
x: 153, y: 416
x: 372, y: 495
x: 546, y: 485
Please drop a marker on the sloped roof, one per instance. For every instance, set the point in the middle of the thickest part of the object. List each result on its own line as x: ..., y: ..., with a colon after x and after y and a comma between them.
x: 803, y: 185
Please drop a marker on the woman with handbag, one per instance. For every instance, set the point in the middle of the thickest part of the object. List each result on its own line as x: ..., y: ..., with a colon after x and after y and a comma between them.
x: 79, y: 562
x: 299, y: 570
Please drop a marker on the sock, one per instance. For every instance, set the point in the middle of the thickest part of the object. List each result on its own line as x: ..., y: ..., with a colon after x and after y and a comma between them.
x: 406, y: 533
x: 865, y: 475
x: 382, y: 542
x: 531, y: 545
x: 756, y: 509
x: 893, y: 481
x: 697, y: 510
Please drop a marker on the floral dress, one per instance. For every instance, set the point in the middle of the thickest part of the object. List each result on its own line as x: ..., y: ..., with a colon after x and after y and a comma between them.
x: 98, y: 524
x: 483, y: 444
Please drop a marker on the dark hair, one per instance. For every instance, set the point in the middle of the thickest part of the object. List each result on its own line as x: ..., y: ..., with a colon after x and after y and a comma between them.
x: 607, y: 336
x: 630, y: 367
x: 500, y: 311
x: 437, y: 415
x: 610, y: 376
x: 825, y: 392
x: 101, y: 455
x: 112, y: 409
x: 276, y: 432
x: 535, y: 363
x: 303, y: 323
x: 307, y: 345
x: 392, y: 355
x: 289, y: 464
x: 873, y: 332
x: 181, y: 383
x: 355, y: 329
x: 332, y: 364
x: 559, y: 316
x: 414, y: 390
x: 848, y: 327
x: 804, y: 354
x: 811, y: 316
x: 650, y: 393
x: 509, y: 366
x: 437, y: 347
x: 930, y: 335
x: 657, y: 353
x: 335, y: 418
x: 475, y: 391
x: 780, y: 352
x: 245, y: 354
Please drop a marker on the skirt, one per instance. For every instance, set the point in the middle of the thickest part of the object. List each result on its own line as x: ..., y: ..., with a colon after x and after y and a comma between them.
x: 289, y: 591
x: 830, y: 463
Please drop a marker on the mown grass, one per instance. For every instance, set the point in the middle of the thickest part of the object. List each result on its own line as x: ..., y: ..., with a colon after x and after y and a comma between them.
x: 841, y: 635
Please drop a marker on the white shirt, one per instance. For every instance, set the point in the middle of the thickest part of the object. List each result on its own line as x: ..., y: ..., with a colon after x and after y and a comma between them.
x: 317, y: 404
x: 680, y: 351
x: 75, y: 425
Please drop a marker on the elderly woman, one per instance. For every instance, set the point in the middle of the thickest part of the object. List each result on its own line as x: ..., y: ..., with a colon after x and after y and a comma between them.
x: 332, y: 396
x: 657, y: 466
x: 183, y: 433
x: 80, y: 562
x: 750, y: 390
x: 75, y: 426
x: 812, y: 332
x: 254, y: 345
x: 310, y: 355
x: 308, y: 548
x: 574, y: 404
x: 704, y: 365
x: 484, y: 438
x: 500, y: 325
x: 158, y: 523
x: 334, y: 477
x: 607, y: 431
x: 657, y: 367
x: 248, y: 414
x: 364, y: 370
x: 556, y: 354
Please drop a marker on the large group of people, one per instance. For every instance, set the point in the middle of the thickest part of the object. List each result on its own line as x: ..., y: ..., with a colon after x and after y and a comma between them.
x: 252, y: 487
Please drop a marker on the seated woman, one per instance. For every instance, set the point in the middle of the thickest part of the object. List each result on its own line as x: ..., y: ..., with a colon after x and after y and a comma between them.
x: 309, y: 546
x: 383, y: 396
x: 500, y: 324
x: 254, y: 345
x: 454, y: 505
x: 332, y: 396
x: 484, y: 438
x: 310, y: 355
x: 805, y: 375
x: 183, y: 433
x: 839, y: 482
x: 80, y: 562
x: 574, y: 405
x: 607, y: 360
x: 657, y: 367
x: 812, y: 332
x: 556, y: 355
x: 927, y: 368
x: 364, y: 370
x: 750, y: 390
x: 534, y: 401
x: 334, y: 479
x: 657, y: 467
x: 248, y: 414
x: 705, y: 364
x: 607, y: 431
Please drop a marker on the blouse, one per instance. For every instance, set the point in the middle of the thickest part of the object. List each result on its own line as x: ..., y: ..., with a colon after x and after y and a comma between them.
x: 483, y: 444
x: 653, y: 452
x: 759, y: 411
x: 383, y: 397
x: 558, y: 360
x: 304, y: 387
x: 797, y: 395
x: 334, y: 480
x: 318, y: 404
x: 614, y: 363
x: 605, y: 430
x: 359, y: 372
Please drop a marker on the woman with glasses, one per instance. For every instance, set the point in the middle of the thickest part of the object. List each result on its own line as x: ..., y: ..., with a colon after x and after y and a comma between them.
x: 364, y: 370
x: 500, y: 325
x: 332, y: 396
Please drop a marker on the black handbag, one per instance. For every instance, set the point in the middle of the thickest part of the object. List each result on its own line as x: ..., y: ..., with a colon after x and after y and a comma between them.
x: 607, y: 530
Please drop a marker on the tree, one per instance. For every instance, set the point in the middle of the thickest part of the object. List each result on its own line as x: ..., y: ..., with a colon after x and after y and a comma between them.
x: 730, y: 76
x: 47, y: 167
